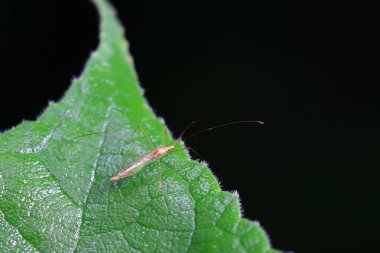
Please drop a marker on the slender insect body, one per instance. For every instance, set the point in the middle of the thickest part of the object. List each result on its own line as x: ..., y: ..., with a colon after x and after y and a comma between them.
x: 137, y: 166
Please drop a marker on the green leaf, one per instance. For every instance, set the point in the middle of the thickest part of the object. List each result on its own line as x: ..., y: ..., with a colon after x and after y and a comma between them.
x: 55, y: 189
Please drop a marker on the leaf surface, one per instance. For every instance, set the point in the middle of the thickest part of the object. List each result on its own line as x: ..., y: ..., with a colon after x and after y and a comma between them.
x: 55, y: 189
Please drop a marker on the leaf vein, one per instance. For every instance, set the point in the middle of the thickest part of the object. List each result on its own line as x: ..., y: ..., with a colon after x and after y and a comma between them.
x: 13, y: 226
x: 92, y: 179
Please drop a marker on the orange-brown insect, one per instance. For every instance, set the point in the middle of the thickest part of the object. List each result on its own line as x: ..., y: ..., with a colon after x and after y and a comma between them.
x: 137, y: 166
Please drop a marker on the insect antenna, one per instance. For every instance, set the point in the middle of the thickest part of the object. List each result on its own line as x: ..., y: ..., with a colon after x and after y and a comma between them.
x: 223, y: 125
x: 184, y: 131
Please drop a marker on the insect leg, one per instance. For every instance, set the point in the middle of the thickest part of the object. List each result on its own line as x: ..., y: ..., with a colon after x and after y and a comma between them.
x: 147, y: 137
x: 164, y: 214
x: 190, y: 148
x: 163, y: 145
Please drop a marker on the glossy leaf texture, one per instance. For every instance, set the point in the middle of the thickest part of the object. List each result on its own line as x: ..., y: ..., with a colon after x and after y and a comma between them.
x: 55, y: 189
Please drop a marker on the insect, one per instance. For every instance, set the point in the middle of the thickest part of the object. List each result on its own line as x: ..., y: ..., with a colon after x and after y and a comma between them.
x: 161, y: 151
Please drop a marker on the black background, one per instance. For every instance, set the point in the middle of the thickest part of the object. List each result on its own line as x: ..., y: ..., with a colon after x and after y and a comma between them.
x: 308, y: 70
